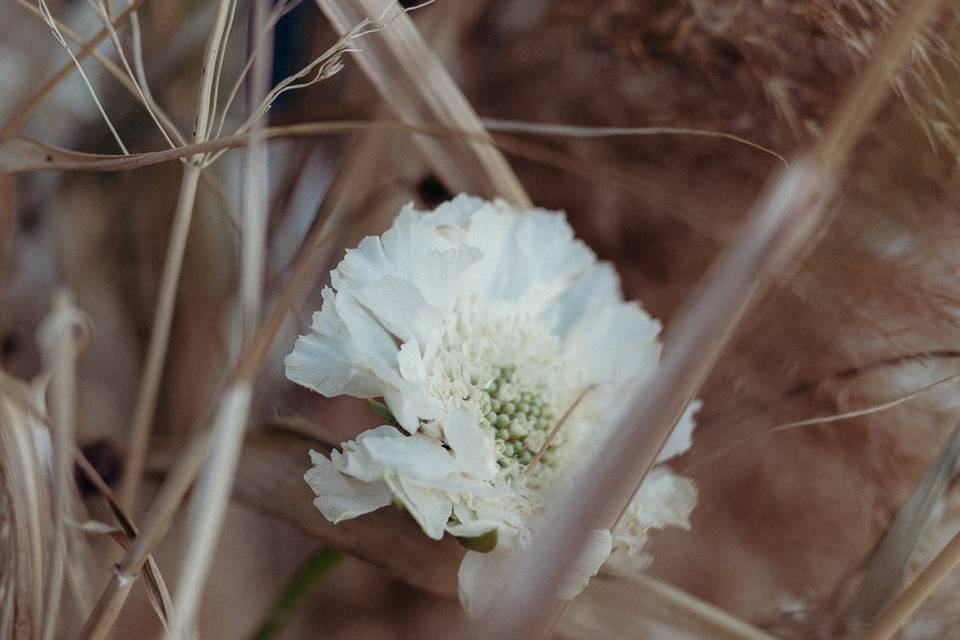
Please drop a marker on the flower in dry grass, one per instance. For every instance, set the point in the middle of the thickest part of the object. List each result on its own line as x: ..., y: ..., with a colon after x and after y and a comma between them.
x: 481, y: 327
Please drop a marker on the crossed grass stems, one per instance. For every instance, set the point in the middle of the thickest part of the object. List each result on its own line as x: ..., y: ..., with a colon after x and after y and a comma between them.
x: 829, y: 160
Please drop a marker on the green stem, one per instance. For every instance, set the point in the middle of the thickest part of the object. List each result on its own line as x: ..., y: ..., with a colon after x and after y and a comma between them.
x: 300, y: 586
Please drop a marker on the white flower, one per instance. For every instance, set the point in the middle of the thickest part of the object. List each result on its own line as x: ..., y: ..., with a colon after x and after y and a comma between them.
x: 480, y: 327
x: 665, y: 499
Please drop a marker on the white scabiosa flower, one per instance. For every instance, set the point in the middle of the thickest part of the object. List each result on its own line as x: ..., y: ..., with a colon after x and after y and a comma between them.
x: 480, y: 327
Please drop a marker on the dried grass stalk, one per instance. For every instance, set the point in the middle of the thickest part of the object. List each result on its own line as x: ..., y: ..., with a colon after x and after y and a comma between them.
x: 155, y: 526
x: 782, y: 224
x: 896, y: 614
x: 419, y: 89
x: 209, y: 507
x: 11, y: 127
x: 610, y: 608
x: 27, y: 507
x: 59, y: 343
x: 888, y: 565
x: 166, y: 300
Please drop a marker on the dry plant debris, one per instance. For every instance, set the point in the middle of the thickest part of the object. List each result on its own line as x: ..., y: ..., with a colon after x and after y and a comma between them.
x: 178, y: 180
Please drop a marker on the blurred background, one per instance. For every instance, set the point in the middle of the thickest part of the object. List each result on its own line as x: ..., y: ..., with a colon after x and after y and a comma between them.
x: 787, y: 518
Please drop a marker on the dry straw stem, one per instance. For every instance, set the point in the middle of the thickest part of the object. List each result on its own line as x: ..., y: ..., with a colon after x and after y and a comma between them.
x: 59, y: 344
x: 254, y: 230
x: 160, y: 335
x: 138, y: 79
x: 415, y: 84
x: 209, y: 506
x: 782, y: 224
x: 26, y: 475
x: 107, y: 63
x: 28, y: 509
x: 134, y: 82
x: 896, y: 614
x: 163, y: 317
x: 23, y: 113
x: 164, y: 507
x: 888, y: 564
x: 574, y: 131
x: 610, y: 607
x: 52, y: 24
x: 156, y: 524
x: 156, y: 586
x: 23, y: 154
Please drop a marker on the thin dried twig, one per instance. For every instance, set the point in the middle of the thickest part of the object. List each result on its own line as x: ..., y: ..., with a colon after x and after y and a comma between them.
x: 23, y: 154
x: 155, y: 525
x: 138, y: 80
x: 159, y: 336
x: 834, y: 417
x: 11, y: 127
x: 52, y: 24
x: 556, y: 429
x: 136, y: 86
x: 419, y: 89
x: 575, y: 131
x: 173, y: 263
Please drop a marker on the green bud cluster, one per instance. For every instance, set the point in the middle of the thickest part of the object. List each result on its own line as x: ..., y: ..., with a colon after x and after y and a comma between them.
x: 518, y: 418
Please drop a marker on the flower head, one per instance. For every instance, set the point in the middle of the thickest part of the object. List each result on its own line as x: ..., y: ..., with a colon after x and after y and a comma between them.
x: 502, y: 348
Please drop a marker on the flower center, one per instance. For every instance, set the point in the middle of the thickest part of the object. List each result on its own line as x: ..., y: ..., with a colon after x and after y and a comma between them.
x: 505, y: 367
x: 518, y: 417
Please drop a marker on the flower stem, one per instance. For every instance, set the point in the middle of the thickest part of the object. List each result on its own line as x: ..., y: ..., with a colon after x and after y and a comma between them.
x: 301, y: 584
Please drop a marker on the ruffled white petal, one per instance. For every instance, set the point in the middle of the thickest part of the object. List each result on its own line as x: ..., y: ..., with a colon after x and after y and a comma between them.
x: 595, y: 288
x: 682, y: 437
x: 481, y: 577
x: 473, y: 450
x: 401, y: 309
x: 615, y: 343
x: 533, y: 256
x: 340, y: 497
x: 587, y: 565
x: 430, y: 507
x: 324, y: 360
x: 356, y: 460
x: 664, y: 499
x: 416, y: 456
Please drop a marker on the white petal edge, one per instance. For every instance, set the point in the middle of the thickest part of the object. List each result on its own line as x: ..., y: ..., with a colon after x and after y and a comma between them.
x: 340, y: 497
